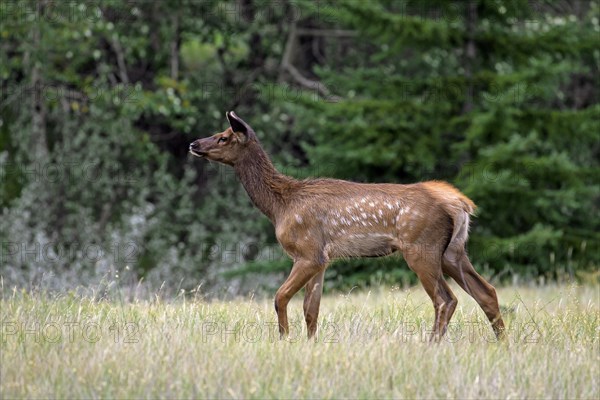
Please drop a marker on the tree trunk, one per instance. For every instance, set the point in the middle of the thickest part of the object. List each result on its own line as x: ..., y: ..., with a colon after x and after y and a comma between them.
x: 470, y: 55
x: 38, y: 105
x: 175, y: 43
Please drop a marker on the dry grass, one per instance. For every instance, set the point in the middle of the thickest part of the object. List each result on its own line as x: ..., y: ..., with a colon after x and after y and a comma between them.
x: 371, y: 345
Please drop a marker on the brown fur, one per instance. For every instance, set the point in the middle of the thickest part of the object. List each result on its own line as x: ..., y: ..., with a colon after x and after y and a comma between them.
x: 318, y: 220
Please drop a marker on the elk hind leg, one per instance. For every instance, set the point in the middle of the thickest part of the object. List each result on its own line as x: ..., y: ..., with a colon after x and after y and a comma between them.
x: 457, y: 265
x: 444, y: 301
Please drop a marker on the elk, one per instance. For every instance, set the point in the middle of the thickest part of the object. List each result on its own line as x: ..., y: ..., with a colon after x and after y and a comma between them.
x: 319, y: 220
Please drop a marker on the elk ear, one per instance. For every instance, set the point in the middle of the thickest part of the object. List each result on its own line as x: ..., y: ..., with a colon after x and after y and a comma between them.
x: 241, y: 137
x: 238, y: 125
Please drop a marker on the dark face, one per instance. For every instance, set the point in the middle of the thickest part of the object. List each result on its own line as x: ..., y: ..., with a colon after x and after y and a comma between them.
x: 225, y: 147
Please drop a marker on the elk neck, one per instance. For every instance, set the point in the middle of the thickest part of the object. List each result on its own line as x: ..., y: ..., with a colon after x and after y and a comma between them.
x: 268, y: 189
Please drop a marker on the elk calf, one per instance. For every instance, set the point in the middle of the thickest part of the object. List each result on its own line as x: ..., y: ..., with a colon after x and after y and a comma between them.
x: 318, y: 220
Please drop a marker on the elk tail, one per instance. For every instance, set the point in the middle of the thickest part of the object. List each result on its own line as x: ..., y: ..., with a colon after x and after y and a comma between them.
x: 458, y: 206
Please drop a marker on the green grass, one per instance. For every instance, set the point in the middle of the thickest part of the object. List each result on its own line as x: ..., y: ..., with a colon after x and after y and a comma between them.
x: 371, y: 345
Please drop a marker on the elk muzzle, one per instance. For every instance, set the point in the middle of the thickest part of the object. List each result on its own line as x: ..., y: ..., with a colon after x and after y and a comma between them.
x: 196, y: 149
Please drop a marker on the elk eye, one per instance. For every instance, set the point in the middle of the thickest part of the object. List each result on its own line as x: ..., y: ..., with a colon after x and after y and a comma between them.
x: 222, y: 139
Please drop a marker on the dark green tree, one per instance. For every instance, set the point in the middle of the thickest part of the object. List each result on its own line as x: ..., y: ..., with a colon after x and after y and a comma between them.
x: 99, y: 101
x: 499, y: 98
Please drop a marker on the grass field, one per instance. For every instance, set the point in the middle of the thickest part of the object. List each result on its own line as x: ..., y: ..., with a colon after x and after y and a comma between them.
x: 371, y: 345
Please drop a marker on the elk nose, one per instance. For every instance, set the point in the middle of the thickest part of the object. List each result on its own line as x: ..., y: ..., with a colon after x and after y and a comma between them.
x: 194, y: 146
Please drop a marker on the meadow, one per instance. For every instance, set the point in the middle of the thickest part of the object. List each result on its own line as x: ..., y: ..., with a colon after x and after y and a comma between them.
x: 371, y: 344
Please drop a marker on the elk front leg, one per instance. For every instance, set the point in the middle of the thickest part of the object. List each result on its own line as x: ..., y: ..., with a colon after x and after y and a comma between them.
x: 302, y: 272
x: 312, y: 302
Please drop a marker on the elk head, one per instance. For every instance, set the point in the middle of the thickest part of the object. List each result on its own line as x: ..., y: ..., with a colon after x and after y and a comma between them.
x: 225, y: 147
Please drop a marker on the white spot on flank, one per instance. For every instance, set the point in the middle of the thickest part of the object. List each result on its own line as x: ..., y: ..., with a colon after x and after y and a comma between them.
x: 298, y: 219
x: 372, y: 204
x: 380, y: 212
x: 388, y: 205
x: 363, y: 200
x: 363, y: 215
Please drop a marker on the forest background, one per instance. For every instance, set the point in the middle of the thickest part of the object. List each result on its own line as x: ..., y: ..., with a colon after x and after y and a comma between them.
x: 100, y: 99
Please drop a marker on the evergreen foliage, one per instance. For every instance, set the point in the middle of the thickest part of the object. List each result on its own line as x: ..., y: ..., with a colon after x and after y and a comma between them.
x: 100, y: 101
